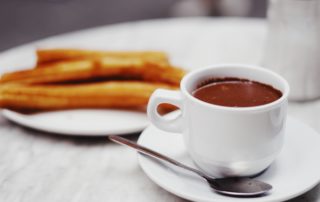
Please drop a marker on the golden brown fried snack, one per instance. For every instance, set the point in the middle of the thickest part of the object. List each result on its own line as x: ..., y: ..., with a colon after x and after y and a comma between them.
x: 142, y: 70
x: 59, y: 72
x: 124, y: 94
x: 129, y: 68
x: 46, y: 56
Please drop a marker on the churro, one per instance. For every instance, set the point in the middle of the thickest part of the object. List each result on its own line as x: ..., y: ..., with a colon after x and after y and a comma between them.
x: 131, y: 68
x: 112, y: 94
x: 45, y: 56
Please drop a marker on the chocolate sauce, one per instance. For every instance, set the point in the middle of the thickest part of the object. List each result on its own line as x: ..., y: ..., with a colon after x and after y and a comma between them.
x: 236, y: 92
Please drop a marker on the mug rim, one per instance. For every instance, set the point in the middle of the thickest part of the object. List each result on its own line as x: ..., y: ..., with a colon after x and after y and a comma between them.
x: 267, y: 106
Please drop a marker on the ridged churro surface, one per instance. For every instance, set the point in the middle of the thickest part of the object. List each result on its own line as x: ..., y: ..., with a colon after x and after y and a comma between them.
x: 113, y: 94
x: 132, y: 68
x: 54, y: 55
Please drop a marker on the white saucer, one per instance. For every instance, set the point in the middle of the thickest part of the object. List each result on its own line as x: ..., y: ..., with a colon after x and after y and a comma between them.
x: 295, y: 171
x: 89, y: 122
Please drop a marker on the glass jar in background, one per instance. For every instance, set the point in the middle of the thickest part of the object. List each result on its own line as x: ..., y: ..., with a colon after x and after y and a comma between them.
x: 293, y: 45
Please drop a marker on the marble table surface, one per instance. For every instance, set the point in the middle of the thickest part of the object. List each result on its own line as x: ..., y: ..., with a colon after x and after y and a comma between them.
x: 37, y: 166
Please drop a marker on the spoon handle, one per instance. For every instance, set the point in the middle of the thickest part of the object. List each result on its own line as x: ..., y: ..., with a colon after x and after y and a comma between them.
x: 152, y: 153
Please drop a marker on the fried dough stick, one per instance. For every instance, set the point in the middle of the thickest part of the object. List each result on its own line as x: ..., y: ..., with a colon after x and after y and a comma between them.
x: 113, y: 94
x: 46, y: 56
x: 132, y: 68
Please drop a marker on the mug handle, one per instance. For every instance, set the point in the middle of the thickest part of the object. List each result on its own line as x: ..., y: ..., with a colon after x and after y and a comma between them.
x: 165, y: 123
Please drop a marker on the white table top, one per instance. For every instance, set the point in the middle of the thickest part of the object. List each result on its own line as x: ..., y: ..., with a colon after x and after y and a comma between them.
x: 36, y: 166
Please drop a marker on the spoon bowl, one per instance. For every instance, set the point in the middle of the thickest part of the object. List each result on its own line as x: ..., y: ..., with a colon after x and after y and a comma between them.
x: 239, y: 186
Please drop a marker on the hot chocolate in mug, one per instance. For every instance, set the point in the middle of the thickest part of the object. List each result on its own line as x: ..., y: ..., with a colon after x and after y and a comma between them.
x: 225, y: 141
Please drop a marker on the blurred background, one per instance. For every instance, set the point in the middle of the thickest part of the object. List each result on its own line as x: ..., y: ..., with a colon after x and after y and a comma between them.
x: 23, y: 21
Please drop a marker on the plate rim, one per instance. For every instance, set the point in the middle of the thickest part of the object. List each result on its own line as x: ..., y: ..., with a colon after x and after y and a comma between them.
x: 17, y: 118
x: 188, y: 196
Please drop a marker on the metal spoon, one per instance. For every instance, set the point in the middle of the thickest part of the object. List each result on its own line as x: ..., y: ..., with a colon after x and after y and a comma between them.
x: 233, y: 186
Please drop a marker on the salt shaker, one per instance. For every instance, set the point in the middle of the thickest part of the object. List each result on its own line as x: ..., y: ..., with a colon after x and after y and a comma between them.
x: 293, y: 45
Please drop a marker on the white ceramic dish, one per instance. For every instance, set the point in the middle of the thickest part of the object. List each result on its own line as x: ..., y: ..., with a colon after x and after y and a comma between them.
x: 295, y: 171
x: 135, y: 36
x: 89, y: 122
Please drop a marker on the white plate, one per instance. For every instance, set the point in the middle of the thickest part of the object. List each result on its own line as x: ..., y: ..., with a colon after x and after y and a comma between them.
x: 295, y: 171
x: 89, y: 122
x: 138, y: 36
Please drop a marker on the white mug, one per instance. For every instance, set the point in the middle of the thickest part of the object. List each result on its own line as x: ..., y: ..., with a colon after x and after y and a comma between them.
x: 226, y: 141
